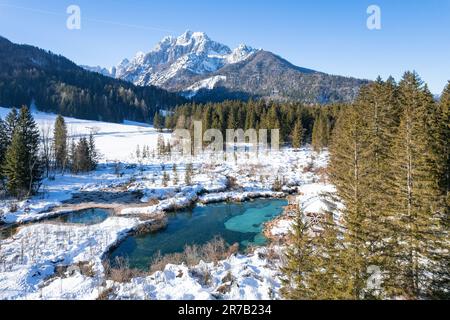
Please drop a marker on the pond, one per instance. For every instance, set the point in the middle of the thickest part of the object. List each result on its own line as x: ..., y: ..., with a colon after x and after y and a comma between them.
x: 84, y: 217
x: 241, y: 223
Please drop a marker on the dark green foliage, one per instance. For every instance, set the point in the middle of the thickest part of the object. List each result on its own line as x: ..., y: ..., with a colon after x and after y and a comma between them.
x: 60, y: 143
x: 389, y: 166
x: 58, y: 85
x: 84, y: 156
x: 3, y: 146
x: 158, y: 122
x: 321, y: 131
x: 300, y: 262
x: 256, y: 115
x: 22, y: 166
x: 297, y: 135
x: 93, y: 154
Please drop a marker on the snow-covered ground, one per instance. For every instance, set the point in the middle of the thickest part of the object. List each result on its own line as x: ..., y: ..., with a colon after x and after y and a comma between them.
x: 31, y: 258
x: 116, y: 142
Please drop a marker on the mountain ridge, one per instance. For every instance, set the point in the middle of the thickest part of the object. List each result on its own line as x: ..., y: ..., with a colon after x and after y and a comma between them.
x: 56, y: 84
x: 204, y: 70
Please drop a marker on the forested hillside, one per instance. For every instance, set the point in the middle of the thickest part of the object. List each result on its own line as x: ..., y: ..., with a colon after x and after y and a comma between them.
x: 58, y: 85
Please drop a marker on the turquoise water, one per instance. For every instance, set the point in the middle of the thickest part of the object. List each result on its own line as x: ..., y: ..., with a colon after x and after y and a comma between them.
x: 235, y: 222
x: 86, y: 217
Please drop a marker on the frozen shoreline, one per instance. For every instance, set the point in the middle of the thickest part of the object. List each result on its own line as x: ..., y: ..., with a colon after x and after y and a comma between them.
x: 41, y: 261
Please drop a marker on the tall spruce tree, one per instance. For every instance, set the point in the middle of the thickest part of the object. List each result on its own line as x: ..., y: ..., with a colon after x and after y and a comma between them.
x: 321, y: 132
x: 158, y: 121
x: 4, y: 140
x: 11, y: 124
x: 416, y: 194
x: 299, y: 262
x: 81, y: 158
x: 440, y: 286
x: 347, y: 170
x: 60, y: 143
x: 329, y: 279
x: 22, y: 166
x: 378, y: 107
x: 93, y: 153
x: 297, y: 134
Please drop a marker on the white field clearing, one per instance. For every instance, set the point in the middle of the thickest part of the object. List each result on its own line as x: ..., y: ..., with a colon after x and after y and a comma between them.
x: 29, y: 259
x: 116, y: 142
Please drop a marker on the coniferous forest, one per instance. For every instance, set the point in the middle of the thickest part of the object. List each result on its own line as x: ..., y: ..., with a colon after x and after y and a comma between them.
x: 56, y: 84
x: 28, y: 155
x: 389, y: 161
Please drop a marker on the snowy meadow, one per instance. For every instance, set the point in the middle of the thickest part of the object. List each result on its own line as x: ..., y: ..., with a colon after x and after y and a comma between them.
x: 43, y: 258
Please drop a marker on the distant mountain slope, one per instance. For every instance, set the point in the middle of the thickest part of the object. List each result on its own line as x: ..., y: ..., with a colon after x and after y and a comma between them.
x: 205, y: 70
x: 266, y: 75
x: 58, y: 85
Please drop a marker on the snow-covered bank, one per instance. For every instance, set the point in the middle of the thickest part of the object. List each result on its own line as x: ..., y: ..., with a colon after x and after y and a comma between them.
x: 43, y: 260
x: 240, y: 277
x: 29, y: 259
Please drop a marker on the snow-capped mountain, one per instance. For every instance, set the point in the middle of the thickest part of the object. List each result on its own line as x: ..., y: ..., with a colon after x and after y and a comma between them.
x: 177, y: 58
x: 197, y: 67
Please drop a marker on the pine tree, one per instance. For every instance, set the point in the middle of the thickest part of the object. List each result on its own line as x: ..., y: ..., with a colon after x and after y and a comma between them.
x: 81, y: 161
x: 11, y: 123
x: 72, y: 155
x: 299, y: 262
x: 445, y: 110
x: 321, y: 132
x: 329, y: 279
x: 60, y: 143
x: 189, y: 173
x: 161, y: 145
x: 379, y: 108
x: 157, y: 121
x: 4, y: 140
x: 22, y: 167
x: 138, y: 152
x: 417, y: 196
x: 347, y: 170
x: 93, y: 153
x: 165, y: 179
x: 175, y: 175
x: 297, y: 135
x: 15, y: 166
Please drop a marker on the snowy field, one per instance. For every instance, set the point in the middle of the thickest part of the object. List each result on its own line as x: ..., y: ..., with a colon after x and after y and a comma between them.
x: 115, y: 141
x: 41, y: 260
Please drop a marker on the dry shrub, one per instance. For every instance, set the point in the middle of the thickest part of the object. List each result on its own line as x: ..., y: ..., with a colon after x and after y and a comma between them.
x: 13, y: 206
x: 153, y: 224
x: 86, y: 269
x: 121, y: 272
x: 272, y: 254
x: 202, y: 274
x: 228, y: 278
x: 153, y: 202
x: 232, y: 183
x: 159, y: 262
x: 105, y: 294
x: 213, y: 251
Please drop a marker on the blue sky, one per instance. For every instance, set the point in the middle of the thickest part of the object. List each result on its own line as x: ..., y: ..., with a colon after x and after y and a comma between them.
x: 326, y: 35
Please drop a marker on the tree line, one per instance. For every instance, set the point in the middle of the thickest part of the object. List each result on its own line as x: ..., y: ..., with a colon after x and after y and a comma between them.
x: 298, y: 124
x: 389, y: 162
x: 28, y: 155
x: 58, y: 85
